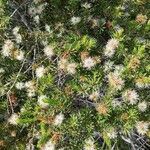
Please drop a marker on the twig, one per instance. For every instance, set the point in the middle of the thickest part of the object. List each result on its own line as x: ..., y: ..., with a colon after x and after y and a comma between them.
x: 24, y: 21
x: 21, y: 16
x: 17, y: 76
x: 128, y: 141
x: 113, y: 146
x: 17, y: 9
x: 88, y: 102
x: 18, y: 73
x: 10, y: 102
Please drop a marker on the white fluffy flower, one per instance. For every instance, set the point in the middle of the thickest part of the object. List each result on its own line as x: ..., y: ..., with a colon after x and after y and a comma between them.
x: 94, y: 96
x: 47, y: 28
x: 116, y: 103
x: 20, y: 55
x: 140, y: 83
x: 86, y: 5
x: 31, y: 88
x: 89, y: 144
x: 130, y: 96
x: 37, y: 1
x: 40, y: 8
x: 41, y: 101
x: 32, y: 11
x: 61, y: 149
x: 75, y: 20
x: 20, y: 85
x: 141, y: 19
x: 142, y: 106
x: 36, y: 10
x: 18, y: 38
x: 142, y: 127
x: 7, y: 48
x: 22, y: 109
x: 88, y: 62
x: 115, y: 81
x: 30, y: 84
x: 2, y: 70
x: 58, y: 119
x: 48, y: 51
x: 118, y: 69
x: 95, y: 22
x: 13, y: 119
x: 16, y: 30
x: 44, y: 42
x: 37, y: 19
x: 17, y: 35
x: 31, y: 93
x: 71, y: 68
x: 50, y: 145
x: 112, y: 134
x: 40, y: 71
x: 62, y: 64
x: 111, y: 46
x: 108, y: 65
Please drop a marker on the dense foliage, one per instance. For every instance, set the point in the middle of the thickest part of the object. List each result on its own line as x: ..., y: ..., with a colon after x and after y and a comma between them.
x: 74, y: 74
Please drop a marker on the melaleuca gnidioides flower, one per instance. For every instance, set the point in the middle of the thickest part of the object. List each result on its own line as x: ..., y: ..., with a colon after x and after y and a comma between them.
x: 142, y: 82
x: 17, y: 35
x: 31, y: 88
x: 7, y: 48
x: 41, y: 101
x: 34, y: 10
x: 18, y: 54
x: 130, y: 96
x: 102, y: 108
x: 49, y: 51
x: 86, y: 5
x: 111, y: 133
x: 40, y: 71
x: 58, y: 119
x: 13, y: 119
x: 75, y: 20
x: 110, y: 48
x: 94, y: 96
x: 140, y: 18
x: 66, y: 66
x: 142, y: 106
x: 134, y: 63
x: 71, y: 68
x: 20, y: 85
x: 49, y: 145
x: 115, y: 81
x: 89, y: 62
x: 142, y: 127
x: 89, y: 144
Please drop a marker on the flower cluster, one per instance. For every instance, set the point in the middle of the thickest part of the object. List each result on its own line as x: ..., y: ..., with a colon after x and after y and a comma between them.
x: 64, y: 65
x: 9, y: 50
x: 111, y: 46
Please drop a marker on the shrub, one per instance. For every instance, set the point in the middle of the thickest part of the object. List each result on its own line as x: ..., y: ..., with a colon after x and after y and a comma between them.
x: 74, y: 74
